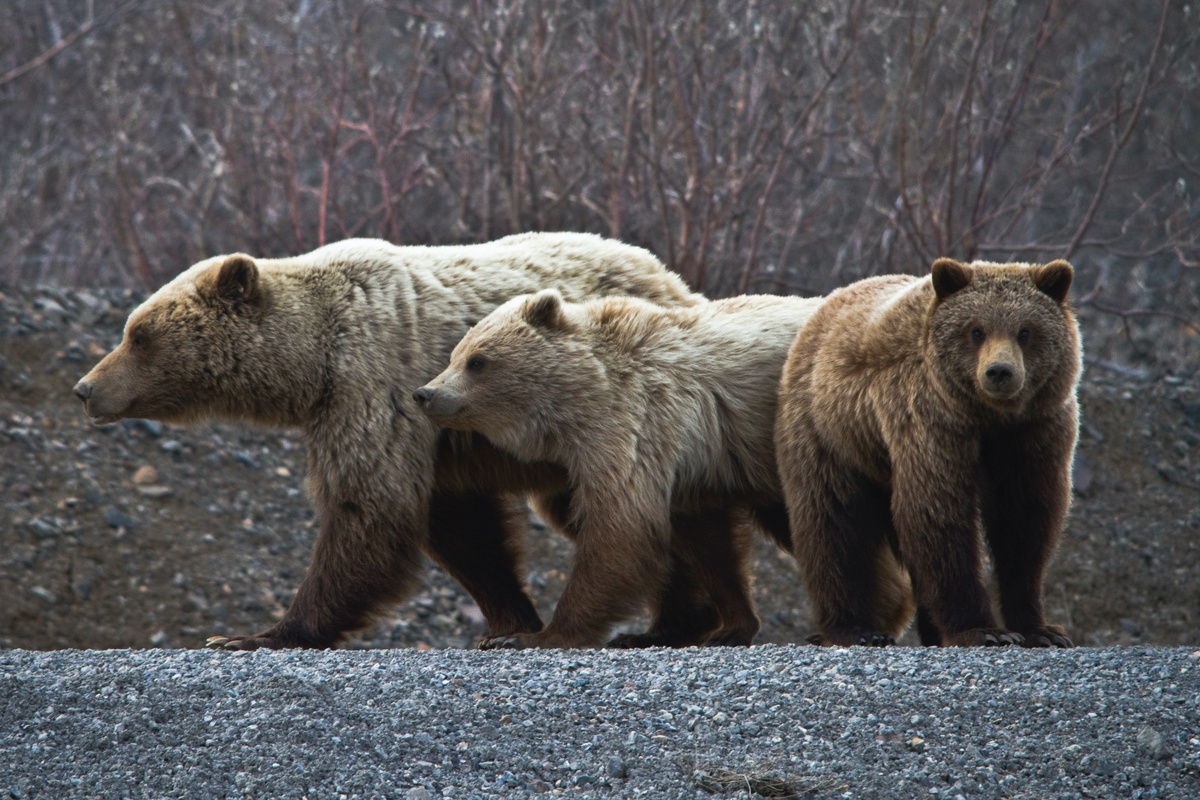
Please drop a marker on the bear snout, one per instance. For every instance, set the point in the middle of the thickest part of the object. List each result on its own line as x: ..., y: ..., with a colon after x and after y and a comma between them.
x: 438, y: 402
x: 1002, y: 380
x: 999, y: 374
x: 83, y: 389
x: 424, y: 396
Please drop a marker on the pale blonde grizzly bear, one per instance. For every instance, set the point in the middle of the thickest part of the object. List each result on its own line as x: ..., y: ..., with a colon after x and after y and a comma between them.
x: 333, y: 343
x: 917, y: 417
x: 651, y: 410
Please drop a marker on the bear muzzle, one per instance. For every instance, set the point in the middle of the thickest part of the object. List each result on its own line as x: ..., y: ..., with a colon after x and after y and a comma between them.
x: 1001, y: 369
x: 437, y: 403
x: 83, y: 390
x: 1002, y: 380
x: 102, y: 407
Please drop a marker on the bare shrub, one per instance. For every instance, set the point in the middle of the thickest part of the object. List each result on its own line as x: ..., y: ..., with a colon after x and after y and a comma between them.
x: 755, y: 145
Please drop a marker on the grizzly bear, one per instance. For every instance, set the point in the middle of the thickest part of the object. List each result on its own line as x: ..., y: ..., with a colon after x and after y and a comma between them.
x: 652, y: 411
x: 333, y: 343
x: 917, y: 417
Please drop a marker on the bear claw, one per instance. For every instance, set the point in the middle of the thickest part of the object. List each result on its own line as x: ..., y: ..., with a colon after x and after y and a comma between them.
x: 244, y: 643
x: 635, y: 641
x: 984, y: 637
x: 861, y: 638
x: 512, y: 641
x: 1049, y: 636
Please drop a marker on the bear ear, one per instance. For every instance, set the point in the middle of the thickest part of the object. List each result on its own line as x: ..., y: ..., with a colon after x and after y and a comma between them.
x: 949, y: 276
x: 237, y: 279
x: 1054, y: 279
x: 544, y: 309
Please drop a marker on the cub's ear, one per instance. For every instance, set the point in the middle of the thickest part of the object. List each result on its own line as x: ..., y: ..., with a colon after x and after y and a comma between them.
x: 544, y: 310
x: 1054, y: 279
x: 237, y: 280
x: 949, y: 276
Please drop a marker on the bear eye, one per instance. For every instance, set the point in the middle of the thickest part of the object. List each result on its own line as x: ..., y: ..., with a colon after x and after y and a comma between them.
x: 977, y: 335
x: 1023, y: 336
x: 139, y: 339
x: 476, y: 363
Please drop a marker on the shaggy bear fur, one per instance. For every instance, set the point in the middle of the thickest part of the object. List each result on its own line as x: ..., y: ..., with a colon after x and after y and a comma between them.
x: 652, y: 411
x: 333, y: 343
x: 915, y: 418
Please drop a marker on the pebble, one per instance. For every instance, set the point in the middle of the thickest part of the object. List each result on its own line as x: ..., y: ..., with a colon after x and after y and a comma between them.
x: 1153, y: 744
x: 150, y: 426
x: 118, y: 519
x: 145, y: 474
x: 45, y: 594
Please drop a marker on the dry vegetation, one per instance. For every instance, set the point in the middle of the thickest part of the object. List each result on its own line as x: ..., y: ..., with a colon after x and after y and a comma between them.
x: 755, y: 145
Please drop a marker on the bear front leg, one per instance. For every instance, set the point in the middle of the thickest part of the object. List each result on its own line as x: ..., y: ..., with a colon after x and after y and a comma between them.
x: 838, y: 522
x: 934, y: 510
x: 839, y: 553
x: 621, y: 560
x: 477, y: 537
x: 1026, y: 498
x: 359, y: 564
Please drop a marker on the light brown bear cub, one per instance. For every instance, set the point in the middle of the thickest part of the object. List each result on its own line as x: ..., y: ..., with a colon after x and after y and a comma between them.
x: 333, y: 343
x: 914, y: 413
x: 651, y: 411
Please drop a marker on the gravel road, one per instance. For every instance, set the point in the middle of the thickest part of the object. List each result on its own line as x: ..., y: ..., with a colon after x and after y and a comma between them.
x: 771, y: 720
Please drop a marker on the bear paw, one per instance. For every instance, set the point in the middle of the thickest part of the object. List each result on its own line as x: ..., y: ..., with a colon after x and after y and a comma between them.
x: 547, y: 639
x: 637, y: 641
x: 260, y: 642
x: 983, y: 637
x: 257, y: 642
x: 510, y: 641
x: 850, y: 638
x: 1047, y: 636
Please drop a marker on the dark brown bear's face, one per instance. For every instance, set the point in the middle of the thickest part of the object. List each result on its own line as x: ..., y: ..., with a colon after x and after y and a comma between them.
x: 176, y: 346
x: 502, y: 374
x: 1002, y: 333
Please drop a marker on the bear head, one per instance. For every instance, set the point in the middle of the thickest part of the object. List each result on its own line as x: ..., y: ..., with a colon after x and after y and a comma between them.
x: 195, y: 348
x: 1003, y: 335
x: 506, y: 372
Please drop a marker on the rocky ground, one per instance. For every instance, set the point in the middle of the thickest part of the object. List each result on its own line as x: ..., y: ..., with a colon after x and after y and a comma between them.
x: 777, y: 721
x: 142, y: 535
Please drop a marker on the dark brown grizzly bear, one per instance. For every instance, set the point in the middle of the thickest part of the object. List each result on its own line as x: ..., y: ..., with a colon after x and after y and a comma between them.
x: 333, y: 343
x: 917, y: 417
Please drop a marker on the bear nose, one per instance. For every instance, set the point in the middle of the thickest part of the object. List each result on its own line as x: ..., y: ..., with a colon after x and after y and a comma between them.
x: 424, y: 395
x: 999, y: 373
x: 83, y: 390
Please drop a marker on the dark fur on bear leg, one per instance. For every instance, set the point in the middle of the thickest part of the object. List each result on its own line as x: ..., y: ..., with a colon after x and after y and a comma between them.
x: 342, y: 590
x: 1024, y: 507
x: 927, y: 630
x: 476, y: 538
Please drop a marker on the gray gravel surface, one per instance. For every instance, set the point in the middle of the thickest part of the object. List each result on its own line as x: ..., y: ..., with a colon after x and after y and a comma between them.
x: 771, y: 720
